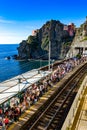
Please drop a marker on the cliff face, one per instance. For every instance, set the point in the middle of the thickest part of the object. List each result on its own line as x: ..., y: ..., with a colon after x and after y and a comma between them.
x: 37, y: 46
x: 79, y: 43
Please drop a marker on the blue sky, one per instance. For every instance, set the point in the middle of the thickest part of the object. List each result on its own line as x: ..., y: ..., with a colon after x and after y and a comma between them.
x: 19, y: 17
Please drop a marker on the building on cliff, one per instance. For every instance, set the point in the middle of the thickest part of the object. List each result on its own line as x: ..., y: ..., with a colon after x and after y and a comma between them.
x: 34, y: 32
x: 70, y: 28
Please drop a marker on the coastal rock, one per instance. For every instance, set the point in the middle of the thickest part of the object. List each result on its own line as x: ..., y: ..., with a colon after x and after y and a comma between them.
x: 7, y: 58
x: 15, y: 57
x: 37, y: 45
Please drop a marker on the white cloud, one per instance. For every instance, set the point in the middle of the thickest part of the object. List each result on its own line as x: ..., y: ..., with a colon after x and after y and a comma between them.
x: 16, y: 31
x: 12, y: 32
x: 4, y: 21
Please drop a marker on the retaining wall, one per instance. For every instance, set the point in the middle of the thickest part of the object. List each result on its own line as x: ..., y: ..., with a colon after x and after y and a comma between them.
x: 71, y: 115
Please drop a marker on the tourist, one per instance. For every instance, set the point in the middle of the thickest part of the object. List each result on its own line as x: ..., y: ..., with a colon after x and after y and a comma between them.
x: 6, y: 121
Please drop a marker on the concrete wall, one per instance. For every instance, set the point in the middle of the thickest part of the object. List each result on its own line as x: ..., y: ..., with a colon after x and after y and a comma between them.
x: 71, y: 115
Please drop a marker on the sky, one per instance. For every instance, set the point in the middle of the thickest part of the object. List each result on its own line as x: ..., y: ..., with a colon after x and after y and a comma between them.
x: 19, y: 17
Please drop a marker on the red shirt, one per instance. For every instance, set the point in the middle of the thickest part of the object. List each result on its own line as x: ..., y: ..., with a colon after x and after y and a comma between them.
x: 0, y: 111
x: 6, y: 120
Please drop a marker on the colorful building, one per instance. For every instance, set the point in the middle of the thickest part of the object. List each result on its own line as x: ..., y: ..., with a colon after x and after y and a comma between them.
x: 70, y: 28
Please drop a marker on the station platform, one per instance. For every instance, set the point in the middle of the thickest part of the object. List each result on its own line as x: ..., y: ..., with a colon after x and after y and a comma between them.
x: 28, y: 113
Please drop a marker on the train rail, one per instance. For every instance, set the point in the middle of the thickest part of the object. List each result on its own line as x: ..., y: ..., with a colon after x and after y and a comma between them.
x: 53, y: 113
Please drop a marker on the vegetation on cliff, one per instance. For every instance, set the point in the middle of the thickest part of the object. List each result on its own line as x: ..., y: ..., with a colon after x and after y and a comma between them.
x: 33, y: 41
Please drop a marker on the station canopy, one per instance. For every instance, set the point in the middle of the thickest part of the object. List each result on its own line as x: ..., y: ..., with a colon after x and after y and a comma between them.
x: 11, y: 87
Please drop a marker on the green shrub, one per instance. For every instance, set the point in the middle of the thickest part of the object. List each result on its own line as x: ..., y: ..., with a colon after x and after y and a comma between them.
x: 78, y: 56
x: 84, y: 39
x: 45, y: 42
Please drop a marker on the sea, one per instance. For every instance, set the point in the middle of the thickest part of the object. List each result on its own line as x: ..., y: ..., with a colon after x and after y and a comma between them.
x: 11, y: 68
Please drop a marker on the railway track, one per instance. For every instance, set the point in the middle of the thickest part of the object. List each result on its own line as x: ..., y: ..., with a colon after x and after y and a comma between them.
x: 53, y: 113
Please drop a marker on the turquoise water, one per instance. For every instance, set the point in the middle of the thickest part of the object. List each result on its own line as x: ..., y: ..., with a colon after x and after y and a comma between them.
x: 11, y: 68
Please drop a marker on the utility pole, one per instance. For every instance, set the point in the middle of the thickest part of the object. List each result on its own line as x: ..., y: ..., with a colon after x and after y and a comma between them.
x: 19, y: 81
x: 49, y: 52
x: 52, y: 64
x: 49, y: 46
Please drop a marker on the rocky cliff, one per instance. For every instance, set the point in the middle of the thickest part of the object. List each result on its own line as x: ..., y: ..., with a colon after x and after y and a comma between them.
x: 79, y: 43
x: 37, y: 46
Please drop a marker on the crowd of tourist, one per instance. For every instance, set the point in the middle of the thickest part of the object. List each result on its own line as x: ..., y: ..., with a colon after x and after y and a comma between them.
x: 12, y: 110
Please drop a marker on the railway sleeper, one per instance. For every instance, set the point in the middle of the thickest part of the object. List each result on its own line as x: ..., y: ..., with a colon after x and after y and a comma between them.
x: 50, y: 113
